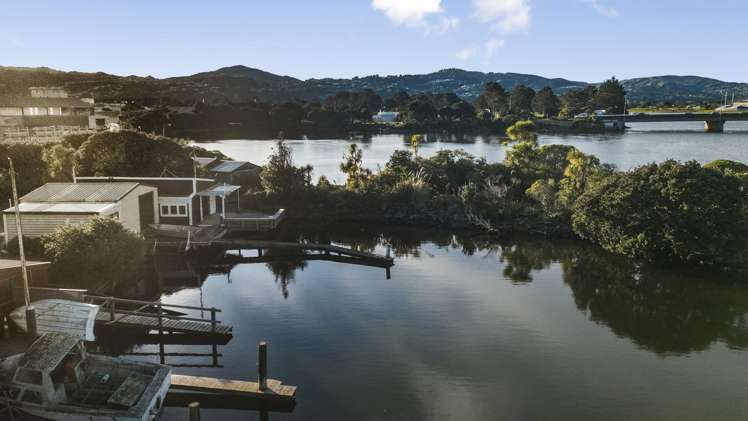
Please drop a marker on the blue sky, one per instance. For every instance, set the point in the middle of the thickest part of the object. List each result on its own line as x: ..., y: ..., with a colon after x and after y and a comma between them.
x: 587, y: 40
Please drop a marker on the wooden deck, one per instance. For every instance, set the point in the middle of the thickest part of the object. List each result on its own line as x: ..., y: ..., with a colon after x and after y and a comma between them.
x: 275, y: 390
x: 309, y: 249
x: 168, y: 325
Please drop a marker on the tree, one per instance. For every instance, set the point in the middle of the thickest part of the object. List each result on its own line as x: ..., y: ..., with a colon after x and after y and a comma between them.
x: 29, y: 166
x: 611, y: 96
x: 523, y: 131
x: 133, y: 154
x: 578, y: 101
x: 60, y: 160
x: 666, y: 212
x: 353, y: 167
x: 521, y: 99
x: 494, y: 98
x: 280, y: 177
x: 546, y: 103
x: 99, y: 251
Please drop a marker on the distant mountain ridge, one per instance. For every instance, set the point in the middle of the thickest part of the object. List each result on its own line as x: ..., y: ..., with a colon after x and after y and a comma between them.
x: 241, y: 84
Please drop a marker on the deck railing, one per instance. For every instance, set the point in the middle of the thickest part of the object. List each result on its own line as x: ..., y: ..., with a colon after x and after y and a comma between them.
x: 109, y: 304
x: 256, y: 224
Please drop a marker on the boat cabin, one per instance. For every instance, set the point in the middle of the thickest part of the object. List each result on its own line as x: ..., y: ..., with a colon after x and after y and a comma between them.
x: 57, y: 379
x: 43, y: 370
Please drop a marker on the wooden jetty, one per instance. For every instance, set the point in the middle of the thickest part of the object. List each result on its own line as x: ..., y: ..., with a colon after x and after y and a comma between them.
x: 310, y: 251
x: 275, y: 388
x: 264, y: 389
x: 152, y: 315
x: 142, y: 315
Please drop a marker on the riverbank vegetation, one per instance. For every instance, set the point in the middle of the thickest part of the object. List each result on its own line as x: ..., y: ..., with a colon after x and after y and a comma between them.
x: 666, y: 212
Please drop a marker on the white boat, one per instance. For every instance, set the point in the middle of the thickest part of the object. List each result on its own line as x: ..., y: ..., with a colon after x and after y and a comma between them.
x: 57, y: 379
x: 62, y: 316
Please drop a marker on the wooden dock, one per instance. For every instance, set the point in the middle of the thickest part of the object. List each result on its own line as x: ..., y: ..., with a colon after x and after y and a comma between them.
x: 275, y: 390
x: 155, y: 316
x: 309, y: 250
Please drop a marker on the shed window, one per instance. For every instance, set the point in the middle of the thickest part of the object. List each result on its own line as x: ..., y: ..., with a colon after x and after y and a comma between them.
x: 173, y: 210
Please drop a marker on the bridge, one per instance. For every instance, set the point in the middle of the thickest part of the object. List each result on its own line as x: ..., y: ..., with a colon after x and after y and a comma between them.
x: 713, y: 122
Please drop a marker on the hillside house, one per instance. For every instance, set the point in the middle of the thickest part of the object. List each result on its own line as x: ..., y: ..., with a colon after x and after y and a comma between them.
x: 55, y: 204
x: 48, y: 106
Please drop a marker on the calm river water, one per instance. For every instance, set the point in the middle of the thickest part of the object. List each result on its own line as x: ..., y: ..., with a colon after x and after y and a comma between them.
x: 469, y: 330
x: 643, y: 144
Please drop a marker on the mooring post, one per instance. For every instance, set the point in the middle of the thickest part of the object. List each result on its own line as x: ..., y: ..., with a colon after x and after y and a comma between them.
x: 111, y: 309
x: 31, y: 321
x: 388, y: 252
x: 194, y: 411
x: 160, y: 319
x: 262, y: 364
x: 213, y: 320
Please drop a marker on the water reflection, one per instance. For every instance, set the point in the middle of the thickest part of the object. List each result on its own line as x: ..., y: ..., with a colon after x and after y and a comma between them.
x: 659, y: 310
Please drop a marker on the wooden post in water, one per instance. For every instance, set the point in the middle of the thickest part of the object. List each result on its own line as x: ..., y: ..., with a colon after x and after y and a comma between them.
x: 111, y: 309
x: 213, y: 320
x: 194, y: 408
x: 160, y: 319
x: 31, y: 321
x: 262, y: 365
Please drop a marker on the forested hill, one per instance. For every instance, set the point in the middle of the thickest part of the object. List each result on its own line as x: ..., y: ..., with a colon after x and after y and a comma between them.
x: 241, y: 84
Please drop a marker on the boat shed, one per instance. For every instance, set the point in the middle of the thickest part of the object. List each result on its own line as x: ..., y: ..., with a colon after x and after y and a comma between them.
x: 183, y: 200
x: 229, y: 171
x: 55, y: 204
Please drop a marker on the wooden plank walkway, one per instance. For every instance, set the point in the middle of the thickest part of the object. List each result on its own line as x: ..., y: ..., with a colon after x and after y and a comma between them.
x: 326, y: 249
x: 276, y: 390
x: 103, y: 318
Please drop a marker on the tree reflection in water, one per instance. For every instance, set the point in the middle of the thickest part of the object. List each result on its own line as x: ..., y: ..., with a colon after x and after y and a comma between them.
x: 659, y: 310
x: 284, y: 267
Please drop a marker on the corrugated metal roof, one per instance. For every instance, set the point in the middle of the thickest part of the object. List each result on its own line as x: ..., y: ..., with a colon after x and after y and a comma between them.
x: 79, y: 192
x: 204, y: 161
x: 85, y: 208
x: 219, y: 190
x: 231, y: 166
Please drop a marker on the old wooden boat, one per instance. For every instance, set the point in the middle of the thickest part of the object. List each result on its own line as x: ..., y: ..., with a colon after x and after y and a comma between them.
x: 57, y: 379
x: 63, y: 316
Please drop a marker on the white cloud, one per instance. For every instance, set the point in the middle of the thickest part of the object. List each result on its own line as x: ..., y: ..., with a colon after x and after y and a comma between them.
x: 467, y: 53
x: 507, y: 15
x: 447, y: 24
x: 602, y: 8
x: 407, y: 12
x: 491, y: 47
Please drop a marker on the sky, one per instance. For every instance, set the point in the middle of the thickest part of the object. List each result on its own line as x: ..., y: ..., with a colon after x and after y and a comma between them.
x: 585, y: 40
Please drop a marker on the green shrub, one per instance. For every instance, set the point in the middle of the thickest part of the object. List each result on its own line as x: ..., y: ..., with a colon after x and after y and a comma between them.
x: 95, y: 253
x: 665, y: 212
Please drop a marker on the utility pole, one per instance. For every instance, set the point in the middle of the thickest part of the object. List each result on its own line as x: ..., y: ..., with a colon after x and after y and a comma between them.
x: 30, y: 311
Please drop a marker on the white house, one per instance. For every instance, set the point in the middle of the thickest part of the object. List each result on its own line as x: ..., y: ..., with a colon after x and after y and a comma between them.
x: 55, y: 204
x: 386, y: 116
